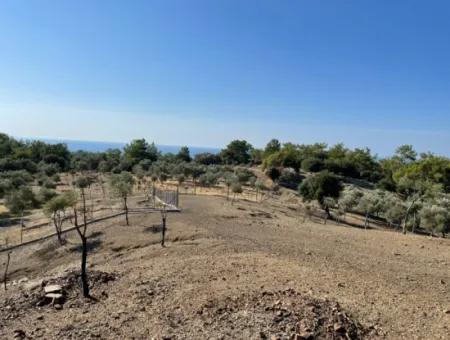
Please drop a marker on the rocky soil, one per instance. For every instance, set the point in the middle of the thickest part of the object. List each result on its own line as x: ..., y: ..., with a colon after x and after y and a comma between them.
x: 242, y: 271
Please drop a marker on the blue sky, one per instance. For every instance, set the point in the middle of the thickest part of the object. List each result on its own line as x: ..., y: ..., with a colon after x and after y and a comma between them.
x: 202, y: 72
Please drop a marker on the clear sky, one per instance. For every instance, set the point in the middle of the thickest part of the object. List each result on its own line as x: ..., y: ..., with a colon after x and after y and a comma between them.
x: 202, y: 72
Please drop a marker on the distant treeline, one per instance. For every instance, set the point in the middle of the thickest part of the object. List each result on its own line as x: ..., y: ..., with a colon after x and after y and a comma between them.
x: 50, y: 159
x: 414, y: 185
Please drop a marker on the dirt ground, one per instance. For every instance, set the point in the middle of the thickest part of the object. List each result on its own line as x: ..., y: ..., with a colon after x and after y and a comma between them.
x: 243, y: 271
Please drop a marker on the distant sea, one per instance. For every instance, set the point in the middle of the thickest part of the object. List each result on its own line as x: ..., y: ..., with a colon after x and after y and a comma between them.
x: 75, y: 145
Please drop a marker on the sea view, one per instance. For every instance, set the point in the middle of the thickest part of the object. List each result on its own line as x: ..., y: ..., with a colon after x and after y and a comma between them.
x: 94, y: 146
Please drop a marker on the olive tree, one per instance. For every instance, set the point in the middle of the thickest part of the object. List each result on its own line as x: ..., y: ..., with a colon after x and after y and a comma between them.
x: 349, y: 199
x: 369, y: 203
x: 319, y: 186
x: 394, y: 209
x: 20, y: 200
x: 435, y: 219
x: 259, y: 186
x: 229, y: 179
x: 56, y: 210
x: 236, y: 188
x: 122, y: 187
x: 82, y: 183
x: 415, y: 191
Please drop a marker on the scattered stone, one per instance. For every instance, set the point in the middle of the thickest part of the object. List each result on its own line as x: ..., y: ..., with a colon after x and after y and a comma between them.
x: 23, y: 280
x: 52, y: 289
x: 304, y: 336
x: 339, y: 327
x: 58, y: 306
x: 447, y: 311
x: 54, y: 296
x: 19, y: 334
x: 40, y: 317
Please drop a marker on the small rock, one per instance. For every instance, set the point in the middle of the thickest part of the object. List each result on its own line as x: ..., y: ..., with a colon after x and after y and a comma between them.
x: 262, y: 335
x: 447, y: 311
x: 442, y: 282
x: 54, y: 296
x: 339, y: 328
x: 40, y: 317
x: 58, y: 306
x: 19, y: 334
x: 52, y: 289
x: 305, y: 336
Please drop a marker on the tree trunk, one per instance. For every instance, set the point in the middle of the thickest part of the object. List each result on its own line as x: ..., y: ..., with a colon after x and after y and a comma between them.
x: 414, y: 223
x: 327, y: 210
x: 163, y: 232
x: 366, y: 222
x: 56, y: 221
x: 405, y: 221
x: 126, y: 210
x: 84, y: 280
x: 5, y: 276
x: 21, y: 229
x: 228, y: 192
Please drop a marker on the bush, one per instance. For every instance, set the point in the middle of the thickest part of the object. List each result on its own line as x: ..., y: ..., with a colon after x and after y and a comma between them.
x: 319, y: 186
x: 273, y: 173
x: 236, y: 188
x: 20, y: 200
x: 49, y: 184
x: 244, y: 175
x: 207, y: 158
x: 45, y: 195
x: 290, y: 179
x: 313, y: 164
x: 49, y: 169
x: 208, y: 179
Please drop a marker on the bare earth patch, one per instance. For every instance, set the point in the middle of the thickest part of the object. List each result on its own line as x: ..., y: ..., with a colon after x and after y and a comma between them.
x: 242, y: 271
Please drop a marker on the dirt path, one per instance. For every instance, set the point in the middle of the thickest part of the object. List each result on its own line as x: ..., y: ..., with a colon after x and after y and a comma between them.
x: 230, y: 271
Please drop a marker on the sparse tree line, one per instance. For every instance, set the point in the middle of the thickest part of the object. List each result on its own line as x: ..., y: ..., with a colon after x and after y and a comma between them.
x: 417, y: 204
x: 407, y: 191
